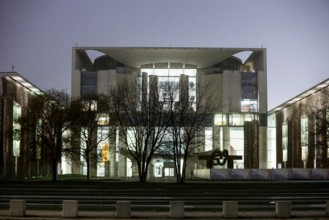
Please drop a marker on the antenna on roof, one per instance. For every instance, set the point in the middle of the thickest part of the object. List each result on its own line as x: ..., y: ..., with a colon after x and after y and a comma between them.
x: 12, y: 68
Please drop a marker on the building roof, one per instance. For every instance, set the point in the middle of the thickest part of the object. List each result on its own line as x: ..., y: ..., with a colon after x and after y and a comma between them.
x: 301, y: 96
x: 16, y: 77
x: 137, y: 56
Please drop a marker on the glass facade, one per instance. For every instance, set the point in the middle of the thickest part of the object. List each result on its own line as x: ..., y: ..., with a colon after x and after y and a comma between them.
x: 170, y: 78
x: 88, y: 82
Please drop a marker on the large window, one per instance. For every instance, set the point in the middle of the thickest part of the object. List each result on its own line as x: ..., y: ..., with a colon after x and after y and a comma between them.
x: 220, y: 119
x: 208, y: 138
x: 284, y: 142
x: 237, y: 145
x: 171, y: 77
x: 236, y: 119
x: 17, y: 112
x: 88, y: 83
x: 249, y: 102
x: 102, y: 149
x: 304, y: 137
x: 271, y: 142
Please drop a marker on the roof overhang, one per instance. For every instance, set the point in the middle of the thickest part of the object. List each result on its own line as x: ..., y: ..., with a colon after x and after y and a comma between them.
x: 137, y: 56
x: 18, y: 79
x: 301, y: 96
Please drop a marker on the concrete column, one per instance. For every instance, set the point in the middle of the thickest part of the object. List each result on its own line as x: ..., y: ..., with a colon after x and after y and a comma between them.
x: 123, y: 209
x: 263, y: 147
x: 70, y: 208
x: 282, y: 209
x: 216, y: 137
x: 177, y: 209
x: 226, y: 138
x: 230, y: 209
x: 17, y: 208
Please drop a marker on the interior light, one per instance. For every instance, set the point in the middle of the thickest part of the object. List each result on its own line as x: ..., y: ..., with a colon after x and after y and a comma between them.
x: 17, y: 78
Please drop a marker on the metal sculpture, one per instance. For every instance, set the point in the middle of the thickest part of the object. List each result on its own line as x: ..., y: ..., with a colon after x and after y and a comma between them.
x: 219, y: 158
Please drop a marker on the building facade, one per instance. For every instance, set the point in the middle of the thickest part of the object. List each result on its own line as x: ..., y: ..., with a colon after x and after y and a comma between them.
x: 292, y: 135
x: 239, y: 90
x: 298, y: 130
x: 18, y: 156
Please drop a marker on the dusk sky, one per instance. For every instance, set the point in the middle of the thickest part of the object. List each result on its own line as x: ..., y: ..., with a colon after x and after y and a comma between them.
x: 37, y: 36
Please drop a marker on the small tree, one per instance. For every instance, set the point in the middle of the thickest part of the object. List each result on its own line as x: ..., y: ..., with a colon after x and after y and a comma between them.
x: 88, y: 131
x: 47, y: 116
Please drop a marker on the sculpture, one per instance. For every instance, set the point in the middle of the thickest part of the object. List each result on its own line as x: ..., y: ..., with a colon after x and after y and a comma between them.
x: 218, y: 157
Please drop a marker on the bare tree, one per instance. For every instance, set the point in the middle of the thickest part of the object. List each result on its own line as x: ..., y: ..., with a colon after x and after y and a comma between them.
x: 141, y: 121
x: 89, y: 130
x: 47, y: 117
x: 188, y: 117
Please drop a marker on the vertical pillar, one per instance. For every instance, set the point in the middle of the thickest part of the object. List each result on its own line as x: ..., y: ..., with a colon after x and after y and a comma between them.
x: 251, y: 151
x: 216, y: 137
x: 226, y: 138
x: 262, y: 147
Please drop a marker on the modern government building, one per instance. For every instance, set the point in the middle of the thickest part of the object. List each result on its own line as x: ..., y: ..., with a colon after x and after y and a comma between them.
x: 288, y: 136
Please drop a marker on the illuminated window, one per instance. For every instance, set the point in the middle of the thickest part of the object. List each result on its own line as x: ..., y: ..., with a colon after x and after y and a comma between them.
x: 208, y: 138
x: 236, y: 119
x: 169, y: 78
x: 271, y: 142
x: 220, y: 119
x: 250, y: 117
x: 103, y: 119
x: 249, y: 105
x: 17, y: 112
x: 304, y: 136
x: 284, y: 142
x: 237, y: 145
x: 249, y: 101
x: 102, y: 149
x: 90, y: 105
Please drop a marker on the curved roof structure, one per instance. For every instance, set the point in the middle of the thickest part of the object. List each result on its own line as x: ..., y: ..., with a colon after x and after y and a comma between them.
x: 137, y: 56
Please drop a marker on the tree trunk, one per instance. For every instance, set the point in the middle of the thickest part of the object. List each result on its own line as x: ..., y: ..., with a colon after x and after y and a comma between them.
x: 88, y: 168
x: 183, y: 174
x: 54, y: 170
x: 142, y: 172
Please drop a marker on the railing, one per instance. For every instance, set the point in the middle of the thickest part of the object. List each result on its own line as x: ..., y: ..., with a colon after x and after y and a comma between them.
x: 177, y: 209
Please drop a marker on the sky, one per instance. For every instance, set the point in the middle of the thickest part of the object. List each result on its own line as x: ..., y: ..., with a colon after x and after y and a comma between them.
x: 37, y: 36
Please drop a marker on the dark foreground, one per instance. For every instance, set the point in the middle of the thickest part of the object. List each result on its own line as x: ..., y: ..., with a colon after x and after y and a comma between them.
x: 202, y: 199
